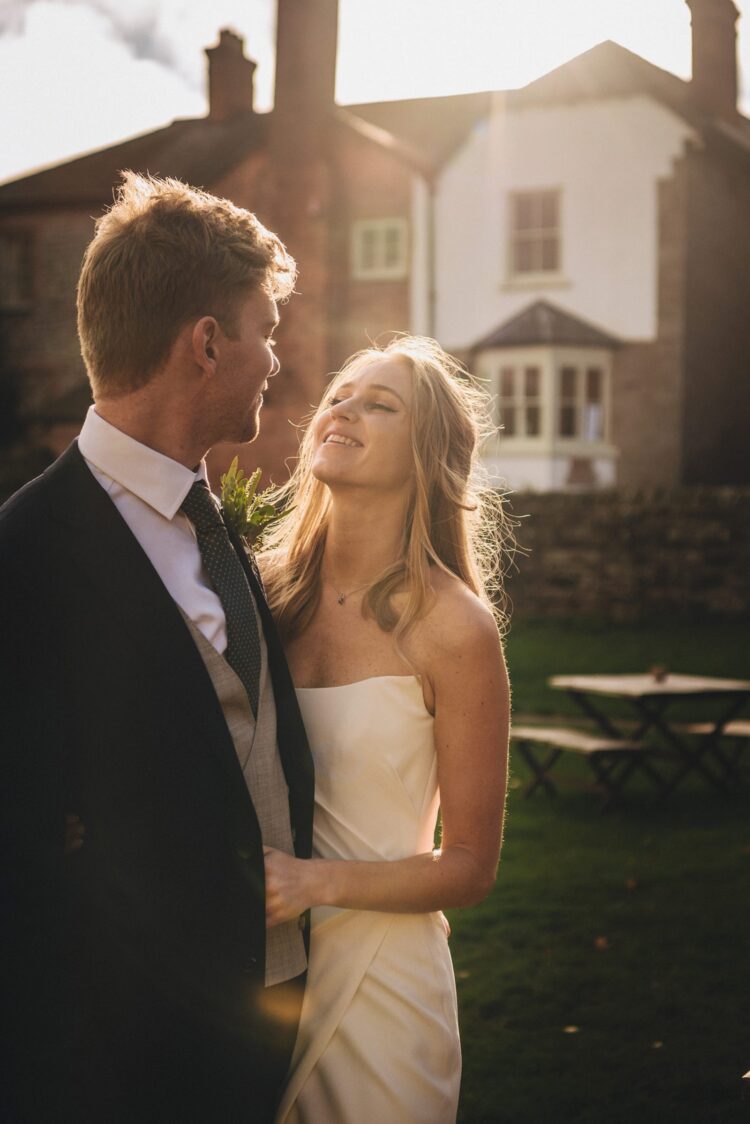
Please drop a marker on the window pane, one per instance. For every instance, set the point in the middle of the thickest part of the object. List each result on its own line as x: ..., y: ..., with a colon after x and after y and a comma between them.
x: 593, y: 385
x: 524, y: 262
x: 549, y: 210
x: 533, y: 421
x: 549, y: 255
x: 392, y: 245
x: 508, y: 420
x: 506, y: 382
x: 593, y: 422
x: 568, y: 382
x: 531, y: 382
x: 567, y: 421
x: 369, y: 249
x: 535, y: 231
x: 522, y: 217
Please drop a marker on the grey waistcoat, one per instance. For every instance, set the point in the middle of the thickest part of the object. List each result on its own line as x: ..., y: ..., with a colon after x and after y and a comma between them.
x: 258, y: 754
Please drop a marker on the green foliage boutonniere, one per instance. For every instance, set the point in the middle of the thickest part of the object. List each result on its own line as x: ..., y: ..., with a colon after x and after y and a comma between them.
x: 247, y: 511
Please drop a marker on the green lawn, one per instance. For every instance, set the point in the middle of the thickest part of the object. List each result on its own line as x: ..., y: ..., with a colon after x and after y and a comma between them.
x: 633, y: 926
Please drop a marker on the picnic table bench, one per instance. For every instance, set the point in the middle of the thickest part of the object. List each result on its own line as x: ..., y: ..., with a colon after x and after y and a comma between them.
x: 611, y: 760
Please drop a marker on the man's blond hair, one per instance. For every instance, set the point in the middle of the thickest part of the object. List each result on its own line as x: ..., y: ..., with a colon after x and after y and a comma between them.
x: 162, y: 255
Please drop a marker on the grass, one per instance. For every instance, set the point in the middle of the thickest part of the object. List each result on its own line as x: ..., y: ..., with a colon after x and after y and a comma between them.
x: 631, y: 927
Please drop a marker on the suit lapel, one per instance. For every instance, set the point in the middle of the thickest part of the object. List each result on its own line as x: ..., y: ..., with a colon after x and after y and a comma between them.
x: 107, y: 555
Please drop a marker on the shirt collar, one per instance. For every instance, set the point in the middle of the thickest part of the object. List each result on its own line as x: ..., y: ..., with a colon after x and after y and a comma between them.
x: 158, y: 480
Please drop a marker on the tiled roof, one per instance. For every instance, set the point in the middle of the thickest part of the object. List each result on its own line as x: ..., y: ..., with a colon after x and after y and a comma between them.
x: 196, y: 150
x: 545, y: 323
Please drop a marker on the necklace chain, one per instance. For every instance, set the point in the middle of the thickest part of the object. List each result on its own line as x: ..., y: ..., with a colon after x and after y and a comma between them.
x: 341, y: 597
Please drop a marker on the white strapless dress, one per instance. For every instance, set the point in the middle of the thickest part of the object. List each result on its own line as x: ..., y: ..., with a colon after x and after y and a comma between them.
x: 378, y: 1040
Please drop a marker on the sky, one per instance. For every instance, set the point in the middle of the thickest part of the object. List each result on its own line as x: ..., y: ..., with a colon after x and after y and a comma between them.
x: 82, y: 74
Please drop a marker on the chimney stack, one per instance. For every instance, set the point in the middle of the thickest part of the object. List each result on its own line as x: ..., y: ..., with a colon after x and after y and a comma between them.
x: 714, y: 85
x: 230, y: 78
x: 306, y: 41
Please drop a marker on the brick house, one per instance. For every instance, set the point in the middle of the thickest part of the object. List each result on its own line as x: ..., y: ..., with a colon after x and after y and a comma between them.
x: 583, y: 243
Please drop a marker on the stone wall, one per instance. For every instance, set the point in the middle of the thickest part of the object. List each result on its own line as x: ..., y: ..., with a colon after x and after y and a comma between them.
x: 632, y: 556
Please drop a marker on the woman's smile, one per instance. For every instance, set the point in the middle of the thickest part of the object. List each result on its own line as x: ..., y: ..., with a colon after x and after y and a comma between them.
x: 341, y: 439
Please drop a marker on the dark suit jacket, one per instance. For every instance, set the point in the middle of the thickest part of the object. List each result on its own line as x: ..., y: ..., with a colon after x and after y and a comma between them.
x: 132, y: 968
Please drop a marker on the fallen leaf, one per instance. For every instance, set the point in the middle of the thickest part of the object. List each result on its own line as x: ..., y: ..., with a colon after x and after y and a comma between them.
x: 657, y: 1045
x: 631, y: 883
x: 601, y: 944
x: 463, y: 974
x: 571, y: 1029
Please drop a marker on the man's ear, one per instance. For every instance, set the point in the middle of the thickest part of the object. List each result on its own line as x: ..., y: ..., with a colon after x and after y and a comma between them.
x: 204, y: 341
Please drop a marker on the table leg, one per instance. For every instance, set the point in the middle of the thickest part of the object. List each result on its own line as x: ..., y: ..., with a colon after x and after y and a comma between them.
x: 690, y: 759
x: 710, y: 744
x: 539, y: 769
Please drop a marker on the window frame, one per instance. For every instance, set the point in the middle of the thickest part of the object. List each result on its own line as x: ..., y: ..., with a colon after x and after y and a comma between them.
x: 534, y: 235
x: 379, y: 228
x: 549, y: 359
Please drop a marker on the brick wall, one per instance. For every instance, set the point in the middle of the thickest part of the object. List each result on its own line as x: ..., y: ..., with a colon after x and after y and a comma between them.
x: 717, y: 341
x: 331, y: 315
x: 647, y: 382
x: 42, y: 343
x: 633, y: 555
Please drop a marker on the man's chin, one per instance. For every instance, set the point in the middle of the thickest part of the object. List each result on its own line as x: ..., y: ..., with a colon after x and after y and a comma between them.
x: 248, y: 433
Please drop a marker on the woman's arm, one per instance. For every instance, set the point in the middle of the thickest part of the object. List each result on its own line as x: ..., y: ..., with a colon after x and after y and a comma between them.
x: 472, y: 714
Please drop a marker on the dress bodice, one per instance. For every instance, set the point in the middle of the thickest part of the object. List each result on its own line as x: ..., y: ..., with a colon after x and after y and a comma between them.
x: 376, y: 793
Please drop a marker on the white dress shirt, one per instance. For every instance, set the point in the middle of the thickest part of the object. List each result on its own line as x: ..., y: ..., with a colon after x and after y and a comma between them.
x: 147, y: 489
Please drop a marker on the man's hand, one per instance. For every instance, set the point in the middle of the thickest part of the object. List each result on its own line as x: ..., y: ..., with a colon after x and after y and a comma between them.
x: 74, y: 833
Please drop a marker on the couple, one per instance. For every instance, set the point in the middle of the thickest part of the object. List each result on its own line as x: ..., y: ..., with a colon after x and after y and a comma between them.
x: 166, y: 969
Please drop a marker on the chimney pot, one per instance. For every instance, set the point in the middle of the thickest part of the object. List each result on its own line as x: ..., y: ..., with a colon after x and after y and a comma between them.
x: 230, y: 77
x: 713, y: 88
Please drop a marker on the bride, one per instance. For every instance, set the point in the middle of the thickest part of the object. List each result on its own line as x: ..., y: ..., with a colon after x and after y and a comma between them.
x: 378, y: 579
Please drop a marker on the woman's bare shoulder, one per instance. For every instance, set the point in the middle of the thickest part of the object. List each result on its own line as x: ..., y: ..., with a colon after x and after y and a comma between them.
x: 458, y: 624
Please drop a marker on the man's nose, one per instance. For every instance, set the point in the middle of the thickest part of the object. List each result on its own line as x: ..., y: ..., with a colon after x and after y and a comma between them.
x: 275, y: 366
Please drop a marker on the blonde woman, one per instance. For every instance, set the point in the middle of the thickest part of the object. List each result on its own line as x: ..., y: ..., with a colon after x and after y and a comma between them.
x: 379, y: 584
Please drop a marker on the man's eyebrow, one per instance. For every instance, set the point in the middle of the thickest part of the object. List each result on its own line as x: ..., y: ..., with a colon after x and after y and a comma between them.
x: 374, y: 386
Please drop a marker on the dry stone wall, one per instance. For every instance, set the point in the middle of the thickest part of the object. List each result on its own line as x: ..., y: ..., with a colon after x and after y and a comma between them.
x: 631, y: 556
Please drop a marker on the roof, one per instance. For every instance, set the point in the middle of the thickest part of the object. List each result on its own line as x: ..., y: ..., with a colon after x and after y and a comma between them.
x: 435, y: 127
x: 545, y: 323
x: 423, y: 131
x: 606, y: 70
x: 195, y: 150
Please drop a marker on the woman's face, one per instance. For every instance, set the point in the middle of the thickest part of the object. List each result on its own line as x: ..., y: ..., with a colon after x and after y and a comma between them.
x: 363, y: 435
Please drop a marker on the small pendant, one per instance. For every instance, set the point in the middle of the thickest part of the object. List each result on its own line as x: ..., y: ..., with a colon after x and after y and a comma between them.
x: 341, y: 598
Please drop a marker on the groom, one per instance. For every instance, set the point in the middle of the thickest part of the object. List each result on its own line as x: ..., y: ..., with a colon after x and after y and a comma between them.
x: 145, y: 690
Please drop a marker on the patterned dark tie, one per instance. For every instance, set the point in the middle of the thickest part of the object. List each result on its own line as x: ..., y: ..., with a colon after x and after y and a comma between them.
x: 228, y: 578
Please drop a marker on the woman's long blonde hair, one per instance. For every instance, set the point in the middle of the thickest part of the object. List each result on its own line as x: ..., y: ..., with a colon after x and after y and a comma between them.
x: 454, y: 520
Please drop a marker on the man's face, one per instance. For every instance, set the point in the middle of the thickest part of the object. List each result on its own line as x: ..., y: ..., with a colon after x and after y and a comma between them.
x: 246, y: 363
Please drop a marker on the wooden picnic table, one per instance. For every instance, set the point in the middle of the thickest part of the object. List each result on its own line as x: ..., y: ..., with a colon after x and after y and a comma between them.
x: 651, y: 695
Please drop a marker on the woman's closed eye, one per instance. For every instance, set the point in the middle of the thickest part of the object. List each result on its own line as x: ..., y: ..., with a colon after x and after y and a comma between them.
x: 368, y: 405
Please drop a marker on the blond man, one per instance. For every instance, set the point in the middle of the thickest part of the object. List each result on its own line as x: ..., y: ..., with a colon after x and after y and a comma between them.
x: 146, y: 692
